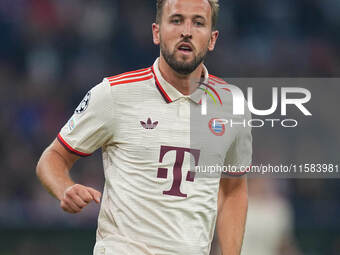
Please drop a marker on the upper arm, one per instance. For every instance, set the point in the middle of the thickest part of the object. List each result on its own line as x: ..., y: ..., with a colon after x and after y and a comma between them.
x: 68, y: 157
x: 56, y: 154
x: 235, y: 187
x: 52, y: 168
x: 232, y: 185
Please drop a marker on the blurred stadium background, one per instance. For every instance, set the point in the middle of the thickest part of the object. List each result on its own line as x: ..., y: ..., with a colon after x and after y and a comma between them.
x: 52, y: 52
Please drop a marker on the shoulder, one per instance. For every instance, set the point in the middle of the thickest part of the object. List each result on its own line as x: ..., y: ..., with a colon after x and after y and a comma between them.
x: 131, y: 77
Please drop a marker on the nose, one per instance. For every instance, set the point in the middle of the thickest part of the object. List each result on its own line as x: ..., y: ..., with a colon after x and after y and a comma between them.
x: 187, y: 30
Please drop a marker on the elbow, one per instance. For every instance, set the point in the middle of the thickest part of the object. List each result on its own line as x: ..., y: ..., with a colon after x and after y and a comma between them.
x: 42, y: 164
x: 39, y: 169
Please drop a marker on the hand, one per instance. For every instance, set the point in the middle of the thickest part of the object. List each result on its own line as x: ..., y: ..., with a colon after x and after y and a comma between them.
x: 77, y: 196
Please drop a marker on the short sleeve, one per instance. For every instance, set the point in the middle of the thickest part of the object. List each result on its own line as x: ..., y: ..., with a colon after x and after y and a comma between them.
x: 239, y: 156
x: 90, y: 126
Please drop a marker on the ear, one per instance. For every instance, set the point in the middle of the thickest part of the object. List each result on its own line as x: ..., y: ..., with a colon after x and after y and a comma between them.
x: 213, y: 39
x: 155, y: 34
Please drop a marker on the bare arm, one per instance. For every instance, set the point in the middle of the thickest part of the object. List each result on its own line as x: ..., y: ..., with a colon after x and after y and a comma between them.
x: 53, y: 172
x: 232, y: 212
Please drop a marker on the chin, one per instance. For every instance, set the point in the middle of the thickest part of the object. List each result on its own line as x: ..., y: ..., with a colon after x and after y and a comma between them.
x: 185, y: 59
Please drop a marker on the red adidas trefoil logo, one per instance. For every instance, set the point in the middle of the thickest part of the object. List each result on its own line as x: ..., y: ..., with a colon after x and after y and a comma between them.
x: 149, y: 124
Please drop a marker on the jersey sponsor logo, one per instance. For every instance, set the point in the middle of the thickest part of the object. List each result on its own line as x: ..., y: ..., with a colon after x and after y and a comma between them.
x: 84, y: 103
x: 217, y: 127
x: 149, y: 124
x: 177, y: 170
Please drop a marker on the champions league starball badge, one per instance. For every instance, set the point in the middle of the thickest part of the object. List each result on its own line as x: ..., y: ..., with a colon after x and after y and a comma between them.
x: 84, y: 103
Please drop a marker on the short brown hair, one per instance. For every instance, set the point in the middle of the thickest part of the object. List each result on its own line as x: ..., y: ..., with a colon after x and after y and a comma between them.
x: 214, y: 7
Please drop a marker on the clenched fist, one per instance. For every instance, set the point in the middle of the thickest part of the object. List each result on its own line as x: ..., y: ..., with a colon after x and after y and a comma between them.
x: 77, y: 196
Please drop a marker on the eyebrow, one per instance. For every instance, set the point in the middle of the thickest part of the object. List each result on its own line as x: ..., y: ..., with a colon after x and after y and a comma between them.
x: 177, y: 15
x: 199, y: 17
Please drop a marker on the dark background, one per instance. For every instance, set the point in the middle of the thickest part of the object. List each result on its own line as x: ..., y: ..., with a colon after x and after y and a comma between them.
x: 52, y: 52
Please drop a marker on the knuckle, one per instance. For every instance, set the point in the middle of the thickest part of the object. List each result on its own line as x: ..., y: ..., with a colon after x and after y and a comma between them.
x: 66, y: 207
x: 81, y: 204
x: 78, y: 187
x: 66, y: 200
x: 84, y: 195
x: 69, y: 193
x: 69, y: 203
x: 88, y: 199
x: 80, y: 201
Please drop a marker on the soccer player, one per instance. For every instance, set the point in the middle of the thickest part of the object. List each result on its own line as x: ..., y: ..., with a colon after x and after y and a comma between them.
x: 152, y: 202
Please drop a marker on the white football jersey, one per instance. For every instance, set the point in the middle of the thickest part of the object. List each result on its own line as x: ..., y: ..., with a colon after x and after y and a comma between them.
x: 154, y: 202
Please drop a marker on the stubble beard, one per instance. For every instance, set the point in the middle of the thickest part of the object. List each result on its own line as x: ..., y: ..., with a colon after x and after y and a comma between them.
x: 182, y: 67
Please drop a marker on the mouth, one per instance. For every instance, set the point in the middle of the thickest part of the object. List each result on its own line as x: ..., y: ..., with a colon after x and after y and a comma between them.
x: 185, y: 48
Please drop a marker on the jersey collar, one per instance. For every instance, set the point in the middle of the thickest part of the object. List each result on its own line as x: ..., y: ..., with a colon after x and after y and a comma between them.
x: 170, y: 93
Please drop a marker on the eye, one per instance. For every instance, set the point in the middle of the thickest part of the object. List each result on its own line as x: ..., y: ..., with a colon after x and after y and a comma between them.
x: 198, y: 23
x: 176, y: 21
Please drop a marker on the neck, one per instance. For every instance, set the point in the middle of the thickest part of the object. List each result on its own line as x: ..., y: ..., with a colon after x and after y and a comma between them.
x: 182, y: 82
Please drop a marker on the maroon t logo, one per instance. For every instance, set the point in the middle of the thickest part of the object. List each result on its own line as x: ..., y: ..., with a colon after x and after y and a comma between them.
x: 177, y: 170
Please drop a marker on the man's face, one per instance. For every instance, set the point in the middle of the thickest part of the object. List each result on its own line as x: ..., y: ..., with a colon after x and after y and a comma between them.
x: 185, y: 34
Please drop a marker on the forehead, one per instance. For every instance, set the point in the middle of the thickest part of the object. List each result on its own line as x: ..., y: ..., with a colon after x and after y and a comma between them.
x: 187, y: 8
